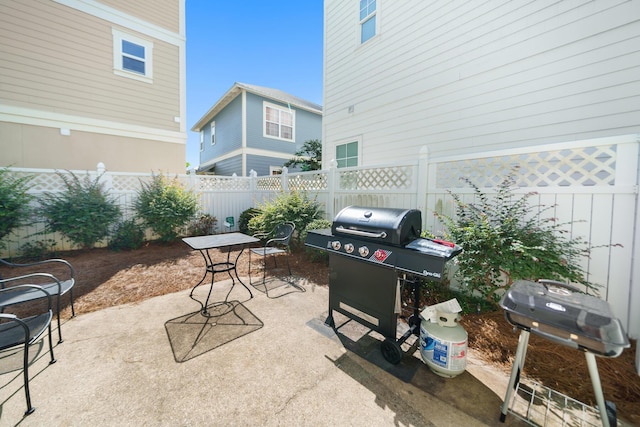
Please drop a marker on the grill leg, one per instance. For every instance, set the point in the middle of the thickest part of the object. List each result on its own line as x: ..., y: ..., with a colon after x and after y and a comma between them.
x: 514, y: 379
x: 597, y: 387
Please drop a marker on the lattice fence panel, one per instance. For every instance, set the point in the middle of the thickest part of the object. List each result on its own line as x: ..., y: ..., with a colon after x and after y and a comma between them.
x: 271, y: 183
x: 311, y: 182
x: 584, y: 166
x: 392, y: 178
x: 210, y: 183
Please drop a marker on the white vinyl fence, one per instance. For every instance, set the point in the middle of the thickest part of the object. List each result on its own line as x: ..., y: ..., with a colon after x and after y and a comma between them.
x: 591, y: 185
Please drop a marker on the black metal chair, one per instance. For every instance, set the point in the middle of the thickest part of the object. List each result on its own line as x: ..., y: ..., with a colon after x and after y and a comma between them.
x: 276, y: 242
x: 58, y: 284
x: 16, y: 332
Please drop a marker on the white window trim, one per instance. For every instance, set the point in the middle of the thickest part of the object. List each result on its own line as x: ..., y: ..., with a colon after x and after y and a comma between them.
x: 357, y: 139
x: 266, y: 104
x: 118, y: 69
x: 201, y: 140
x: 274, y: 169
x: 212, y: 127
x: 362, y: 21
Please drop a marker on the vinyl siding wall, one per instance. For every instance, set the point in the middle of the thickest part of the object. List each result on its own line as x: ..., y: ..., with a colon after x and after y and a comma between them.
x: 56, y: 69
x: 164, y: 13
x: 229, y: 166
x: 464, y: 77
x: 228, y: 132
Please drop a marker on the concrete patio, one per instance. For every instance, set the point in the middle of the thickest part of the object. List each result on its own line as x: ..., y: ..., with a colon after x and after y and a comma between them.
x: 260, y: 361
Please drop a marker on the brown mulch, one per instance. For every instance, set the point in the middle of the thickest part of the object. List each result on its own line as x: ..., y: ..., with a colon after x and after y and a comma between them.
x: 105, y: 278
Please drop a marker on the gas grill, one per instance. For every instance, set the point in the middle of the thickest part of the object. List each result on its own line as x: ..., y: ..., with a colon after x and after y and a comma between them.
x: 369, y: 248
x: 563, y: 314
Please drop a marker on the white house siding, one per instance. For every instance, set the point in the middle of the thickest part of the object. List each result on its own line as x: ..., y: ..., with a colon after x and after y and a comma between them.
x: 465, y: 77
x: 56, y: 75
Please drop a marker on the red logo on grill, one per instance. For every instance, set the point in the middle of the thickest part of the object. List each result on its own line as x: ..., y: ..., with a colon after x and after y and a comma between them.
x: 380, y: 255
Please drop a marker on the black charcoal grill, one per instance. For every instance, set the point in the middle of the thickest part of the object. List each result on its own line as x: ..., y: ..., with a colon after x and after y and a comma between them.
x: 563, y: 314
x: 369, y: 248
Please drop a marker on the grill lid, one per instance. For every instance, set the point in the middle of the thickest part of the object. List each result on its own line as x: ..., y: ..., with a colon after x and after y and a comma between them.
x: 396, y: 227
x: 572, y: 318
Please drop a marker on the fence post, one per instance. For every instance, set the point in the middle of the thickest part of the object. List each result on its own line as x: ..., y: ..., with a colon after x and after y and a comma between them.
x: 106, y: 177
x: 331, y: 185
x: 423, y: 181
x: 253, y: 185
x: 284, y: 177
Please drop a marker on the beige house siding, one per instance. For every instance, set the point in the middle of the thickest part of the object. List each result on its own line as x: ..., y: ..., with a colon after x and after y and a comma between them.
x: 58, y: 75
x: 477, y: 76
x: 47, y: 148
x: 164, y: 13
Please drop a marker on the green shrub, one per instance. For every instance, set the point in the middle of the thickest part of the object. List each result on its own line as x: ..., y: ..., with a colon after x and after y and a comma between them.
x: 14, y: 202
x: 203, y: 225
x: 165, y: 206
x: 37, y: 250
x: 83, y: 213
x: 315, y: 254
x: 295, y: 207
x: 127, y: 235
x: 505, y: 239
x: 245, y: 217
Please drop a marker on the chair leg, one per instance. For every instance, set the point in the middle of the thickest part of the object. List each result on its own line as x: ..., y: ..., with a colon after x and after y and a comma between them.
x: 59, y: 323
x: 25, y: 371
x: 73, y: 310
x: 288, y: 266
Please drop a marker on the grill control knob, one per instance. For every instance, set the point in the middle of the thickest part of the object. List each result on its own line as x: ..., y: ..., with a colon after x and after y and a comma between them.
x: 349, y: 248
x: 336, y: 245
x: 363, y: 251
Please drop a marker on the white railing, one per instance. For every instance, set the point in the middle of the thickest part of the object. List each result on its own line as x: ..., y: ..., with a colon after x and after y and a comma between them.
x: 592, y: 185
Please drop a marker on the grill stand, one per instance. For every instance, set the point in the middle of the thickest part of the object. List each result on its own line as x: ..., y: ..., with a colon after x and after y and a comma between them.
x: 368, y: 296
x: 607, y: 413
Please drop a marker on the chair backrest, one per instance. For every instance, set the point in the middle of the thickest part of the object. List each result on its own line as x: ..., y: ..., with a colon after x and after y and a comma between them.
x: 283, y: 232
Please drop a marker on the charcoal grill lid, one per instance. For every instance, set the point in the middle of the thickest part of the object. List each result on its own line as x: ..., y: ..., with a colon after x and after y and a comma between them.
x: 574, y: 312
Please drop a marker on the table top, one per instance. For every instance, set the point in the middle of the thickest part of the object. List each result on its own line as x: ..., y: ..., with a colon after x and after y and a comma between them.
x: 218, y: 240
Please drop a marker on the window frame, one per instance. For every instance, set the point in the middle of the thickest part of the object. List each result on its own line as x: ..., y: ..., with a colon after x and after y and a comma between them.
x: 212, y: 127
x: 347, y: 157
x: 280, y: 109
x: 201, y: 140
x: 363, y: 20
x: 118, y: 55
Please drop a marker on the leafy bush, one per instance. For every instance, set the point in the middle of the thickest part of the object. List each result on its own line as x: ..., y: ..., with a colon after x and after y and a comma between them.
x: 165, y: 206
x: 14, y: 202
x: 37, y: 250
x: 505, y: 239
x: 203, y: 225
x: 295, y: 207
x: 83, y: 213
x: 127, y: 235
x: 245, y: 217
x: 316, y: 254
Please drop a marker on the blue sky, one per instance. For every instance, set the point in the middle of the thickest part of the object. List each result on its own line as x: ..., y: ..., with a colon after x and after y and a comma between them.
x: 274, y: 44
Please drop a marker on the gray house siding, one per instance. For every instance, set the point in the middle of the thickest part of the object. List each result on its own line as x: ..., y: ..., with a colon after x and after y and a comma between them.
x: 255, y: 137
x: 229, y: 166
x: 262, y: 164
x: 228, y: 132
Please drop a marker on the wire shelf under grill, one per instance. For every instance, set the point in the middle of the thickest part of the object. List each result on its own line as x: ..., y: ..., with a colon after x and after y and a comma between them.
x: 538, y: 405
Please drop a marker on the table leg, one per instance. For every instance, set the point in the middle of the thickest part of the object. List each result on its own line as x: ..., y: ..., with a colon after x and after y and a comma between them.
x: 518, y: 365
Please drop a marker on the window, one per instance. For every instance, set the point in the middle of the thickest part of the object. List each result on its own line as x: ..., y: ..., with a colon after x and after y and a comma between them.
x: 132, y: 56
x: 275, y: 170
x: 347, y: 154
x: 367, y: 19
x: 213, y: 133
x: 279, y: 122
x: 201, y: 140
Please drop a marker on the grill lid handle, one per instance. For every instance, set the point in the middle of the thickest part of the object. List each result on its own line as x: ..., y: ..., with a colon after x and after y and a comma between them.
x: 369, y: 234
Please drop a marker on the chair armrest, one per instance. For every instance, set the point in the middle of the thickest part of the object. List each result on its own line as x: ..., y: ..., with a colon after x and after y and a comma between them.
x: 8, y: 316
x: 55, y: 261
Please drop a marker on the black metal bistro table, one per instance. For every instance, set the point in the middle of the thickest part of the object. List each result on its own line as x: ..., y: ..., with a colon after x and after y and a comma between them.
x: 219, y: 242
